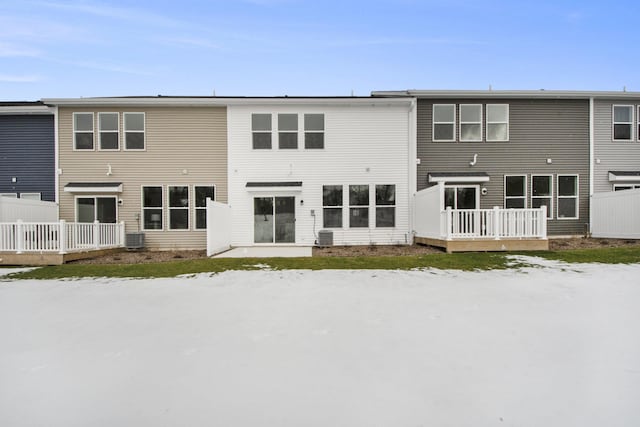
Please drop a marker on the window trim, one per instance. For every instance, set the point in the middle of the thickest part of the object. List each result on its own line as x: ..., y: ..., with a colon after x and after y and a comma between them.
x: 470, y: 123
x: 394, y: 206
x: 368, y: 205
x: 613, y: 123
x: 341, y: 207
x: 433, y: 123
x: 576, y: 197
x: 291, y: 132
x: 117, y: 131
x: 95, y: 197
x: 634, y: 186
x: 142, y: 207
x: 143, y: 131
x: 323, y: 131
x: 550, y: 197
x: 638, y: 125
x: 9, y: 195
x: 170, y: 208
x: 75, y: 131
x: 526, y: 204
x: 253, y: 132
x: 196, y: 207
x: 497, y: 123
x: 456, y: 186
x: 31, y: 194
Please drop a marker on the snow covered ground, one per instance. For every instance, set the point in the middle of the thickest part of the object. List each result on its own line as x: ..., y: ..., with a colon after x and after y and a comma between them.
x: 553, y: 345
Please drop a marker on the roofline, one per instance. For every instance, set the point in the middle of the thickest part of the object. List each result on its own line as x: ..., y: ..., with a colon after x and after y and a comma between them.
x: 542, y: 93
x: 213, y: 101
x: 24, y: 107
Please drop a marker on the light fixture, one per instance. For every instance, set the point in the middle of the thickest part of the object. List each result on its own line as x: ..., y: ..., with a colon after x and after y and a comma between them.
x: 549, y: 161
x: 14, y: 179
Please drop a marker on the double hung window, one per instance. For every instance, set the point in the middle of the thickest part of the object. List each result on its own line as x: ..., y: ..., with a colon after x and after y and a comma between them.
x: 202, y: 193
x: 385, y: 205
x: 444, y: 122
x: 314, y: 131
x: 83, y: 131
x: 470, y: 122
x: 287, y: 131
x: 567, y: 196
x: 542, y: 193
x: 134, y: 129
x: 152, y: 208
x: 179, y: 207
x: 358, y: 206
x: 497, y: 122
x: 515, y: 191
x: 261, y: 131
x: 332, y: 206
x: 109, y: 129
x: 622, y: 122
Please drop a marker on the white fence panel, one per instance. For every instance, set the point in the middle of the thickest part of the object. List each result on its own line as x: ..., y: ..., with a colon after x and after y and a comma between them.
x: 12, y: 210
x: 218, y: 227
x: 495, y: 223
x: 616, y: 214
x: 428, y: 212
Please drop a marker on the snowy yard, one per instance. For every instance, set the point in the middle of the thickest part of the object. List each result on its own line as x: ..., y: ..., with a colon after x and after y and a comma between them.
x: 547, y: 346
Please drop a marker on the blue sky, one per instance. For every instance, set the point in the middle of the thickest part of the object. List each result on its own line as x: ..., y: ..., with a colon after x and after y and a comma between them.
x: 59, y: 48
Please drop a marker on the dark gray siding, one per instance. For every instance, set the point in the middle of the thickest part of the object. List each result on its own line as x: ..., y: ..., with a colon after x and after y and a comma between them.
x: 27, y: 153
x: 538, y: 130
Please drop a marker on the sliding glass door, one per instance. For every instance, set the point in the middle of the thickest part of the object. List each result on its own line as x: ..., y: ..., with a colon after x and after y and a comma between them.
x: 274, y: 220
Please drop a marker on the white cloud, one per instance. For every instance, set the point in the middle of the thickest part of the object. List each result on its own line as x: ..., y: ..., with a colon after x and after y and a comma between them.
x: 12, y: 50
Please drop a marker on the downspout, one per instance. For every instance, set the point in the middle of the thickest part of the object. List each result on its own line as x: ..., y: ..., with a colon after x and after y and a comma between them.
x: 56, y: 156
x: 591, y: 159
x: 413, y: 166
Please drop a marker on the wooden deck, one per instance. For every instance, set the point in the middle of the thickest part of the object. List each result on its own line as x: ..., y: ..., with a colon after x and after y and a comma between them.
x: 44, y: 258
x: 486, y: 245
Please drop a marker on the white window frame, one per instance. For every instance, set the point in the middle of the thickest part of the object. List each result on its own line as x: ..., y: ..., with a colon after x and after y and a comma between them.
x: 613, y: 123
x: 31, y: 196
x: 638, y: 125
x: 290, y: 132
x: 95, y: 205
x: 367, y: 206
x: 488, y: 107
x: 336, y: 207
x: 170, y: 208
x: 322, y: 132
x: 377, y: 206
x: 253, y: 131
x: 143, y: 131
x: 621, y: 187
x: 100, y: 131
x: 456, y: 186
x: 576, y: 197
x: 479, y: 122
x: 143, y: 208
x: 550, y: 196
x: 75, y: 131
x: 9, y: 195
x: 434, y: 123
x: 506, y: 197
x: 197, y: 208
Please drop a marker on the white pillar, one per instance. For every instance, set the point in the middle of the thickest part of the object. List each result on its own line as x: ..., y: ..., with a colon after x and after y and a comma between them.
x: 122, y: 235
x: 447, y: 221
x: 96, y: 234
x: 496, y: 223
x: 62, y: 237
x: 19, y: 237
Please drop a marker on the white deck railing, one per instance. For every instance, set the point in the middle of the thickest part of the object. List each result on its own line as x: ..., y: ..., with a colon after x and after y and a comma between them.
x: 59, y: 237
x: 493, y: 223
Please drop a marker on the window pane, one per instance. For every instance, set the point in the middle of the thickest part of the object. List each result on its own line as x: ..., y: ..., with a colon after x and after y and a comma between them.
x: 515, y: 186
x: 622, y: 132
x: 332, y: 195
x: 497, y: 113
x: 541, y: 186
x: 470, y: 113
x: 288, y: 140
x: 201, y: 218
x: 202, y: 193
x: 542, y: 201
x: 86, y: 209
x: 359, y: 195
x: 288, y: 122
x: 109, y: 140
x: 314, y: 122
x: 517, y: 203
x: 152, y: 197
x: 179, y: 197
x: 622, y: 114
x: 567, y: 208
x: 263, y: 219
x: 261, y: 122
x: 133, y: 121
x: 153, y: 219
x: 83, y: 122
x: 385, y: 194
x: 470, y: 132
x: 135, y: 140
x: 261, y: 140
x: 567, y: 186
x: 443, y: 113
x: 385, y: 217
x: 359, y: 217
x: 450, y: 198
x: 466, y: 198
x: 106, y: 210
x: 442, y: 132
x: 179, y: 219
x: 332, y: 217
x: 496, y: 132
x: 108, y: 121
x: 84, y: 141
x: 313, y: 140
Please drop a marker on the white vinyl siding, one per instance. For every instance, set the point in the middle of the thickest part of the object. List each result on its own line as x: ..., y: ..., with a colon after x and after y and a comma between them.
x: 497, y: 122
x: 444, y: 122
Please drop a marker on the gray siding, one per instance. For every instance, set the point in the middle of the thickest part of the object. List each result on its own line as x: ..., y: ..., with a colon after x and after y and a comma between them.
x: 613, y: 155
x: 27, y: 153
x: 538, y: 129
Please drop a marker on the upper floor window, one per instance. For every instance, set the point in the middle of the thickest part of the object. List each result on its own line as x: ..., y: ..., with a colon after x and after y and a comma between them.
x: 332, y: 206
x: 314, y: 131
x: 444, y: 122
x: 287, y: 131
x: 358, y: 206
x: 515, y: 191
x: 134, y: 131
x: 497, y: 122
x: 470, y: 122
x: 109, y: 130
x: 261, y: 131
x: 568, y: 196
x: 385, y: 205
x: 83, y: 131
x: 541, y: 192
x: 622, y: 122
x: 202, y: 193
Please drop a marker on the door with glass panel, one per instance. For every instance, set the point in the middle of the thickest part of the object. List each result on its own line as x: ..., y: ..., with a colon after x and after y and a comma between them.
x: 274, y: 220
x: 88, y: 210
x: 465, y: 199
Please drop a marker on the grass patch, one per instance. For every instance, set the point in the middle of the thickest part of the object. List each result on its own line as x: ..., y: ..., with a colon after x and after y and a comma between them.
x: 622, y: 255
x: 465, y: 261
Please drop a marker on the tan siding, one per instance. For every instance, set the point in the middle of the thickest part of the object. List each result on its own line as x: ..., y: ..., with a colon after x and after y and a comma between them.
x: 178, y: 140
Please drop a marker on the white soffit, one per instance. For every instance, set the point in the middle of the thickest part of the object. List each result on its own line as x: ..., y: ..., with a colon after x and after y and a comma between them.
x: 93, y: 187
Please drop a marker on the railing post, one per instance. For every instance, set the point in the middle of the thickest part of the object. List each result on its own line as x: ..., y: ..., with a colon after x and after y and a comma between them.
x: 96, y: 234
x: 122, y: 235
x: 496, y: 223
x: 543, y: 220
x: 447, y: 222
x: 62, y: 237
x: 19, y: 237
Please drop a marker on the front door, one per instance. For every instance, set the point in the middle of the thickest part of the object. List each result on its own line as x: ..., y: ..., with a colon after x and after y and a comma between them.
x: 274, y: 219
x: 103, y: 209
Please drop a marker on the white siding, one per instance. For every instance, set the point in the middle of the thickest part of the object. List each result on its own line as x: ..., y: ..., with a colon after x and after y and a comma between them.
x: 613, y: 155
x: 364, y: 144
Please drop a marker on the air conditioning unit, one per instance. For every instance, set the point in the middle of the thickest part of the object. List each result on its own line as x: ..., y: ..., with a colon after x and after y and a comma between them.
x: 134, y: 241
x: 325, y: 238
